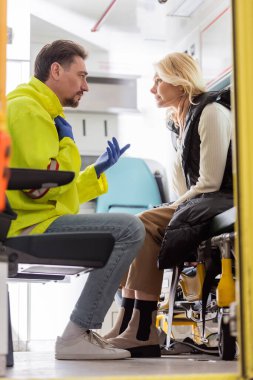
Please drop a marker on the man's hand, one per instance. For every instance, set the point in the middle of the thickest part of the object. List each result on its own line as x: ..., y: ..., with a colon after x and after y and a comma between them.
x: 64, y: 129
x: 110, y: 156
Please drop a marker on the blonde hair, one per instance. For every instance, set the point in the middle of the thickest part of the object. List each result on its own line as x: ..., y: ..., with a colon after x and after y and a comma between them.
x: 180, y: 69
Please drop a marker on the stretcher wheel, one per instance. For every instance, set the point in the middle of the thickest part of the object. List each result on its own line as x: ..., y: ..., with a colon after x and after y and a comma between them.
x: 227, y: 343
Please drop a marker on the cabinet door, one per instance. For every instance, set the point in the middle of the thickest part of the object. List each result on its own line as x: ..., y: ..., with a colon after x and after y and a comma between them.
x: 92, y: 131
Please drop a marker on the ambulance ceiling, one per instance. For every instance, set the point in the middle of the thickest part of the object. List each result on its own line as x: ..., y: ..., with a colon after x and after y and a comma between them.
x: 136, y: 19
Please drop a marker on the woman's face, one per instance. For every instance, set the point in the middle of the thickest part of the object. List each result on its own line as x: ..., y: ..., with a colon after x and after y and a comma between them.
x: 166, y: 95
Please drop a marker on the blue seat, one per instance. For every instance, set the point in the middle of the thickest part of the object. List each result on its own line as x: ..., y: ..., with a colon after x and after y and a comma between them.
x: 132, y: 188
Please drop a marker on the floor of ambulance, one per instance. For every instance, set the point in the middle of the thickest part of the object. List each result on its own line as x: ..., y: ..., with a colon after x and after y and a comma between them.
x: 43, y: 365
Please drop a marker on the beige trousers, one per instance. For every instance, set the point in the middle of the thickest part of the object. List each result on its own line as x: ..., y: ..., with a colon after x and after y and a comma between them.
x: 143, y: 274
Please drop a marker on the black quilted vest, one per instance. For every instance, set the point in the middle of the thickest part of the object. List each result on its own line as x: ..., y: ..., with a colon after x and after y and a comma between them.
x: 191, y: 143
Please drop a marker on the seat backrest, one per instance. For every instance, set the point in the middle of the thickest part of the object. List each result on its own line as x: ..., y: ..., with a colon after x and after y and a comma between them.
x: 132, y: 188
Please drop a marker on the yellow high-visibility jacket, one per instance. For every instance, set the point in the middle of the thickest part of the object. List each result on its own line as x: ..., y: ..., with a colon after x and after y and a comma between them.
x: 31, y: 109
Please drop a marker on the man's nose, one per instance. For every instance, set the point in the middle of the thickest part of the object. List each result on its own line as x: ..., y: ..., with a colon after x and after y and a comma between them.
x: 85, y: 86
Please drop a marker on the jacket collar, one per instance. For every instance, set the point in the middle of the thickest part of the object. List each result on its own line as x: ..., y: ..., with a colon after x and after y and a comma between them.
x: 46, y: 97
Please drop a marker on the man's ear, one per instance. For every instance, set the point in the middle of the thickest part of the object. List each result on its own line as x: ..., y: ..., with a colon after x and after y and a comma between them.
x: 55, y: 70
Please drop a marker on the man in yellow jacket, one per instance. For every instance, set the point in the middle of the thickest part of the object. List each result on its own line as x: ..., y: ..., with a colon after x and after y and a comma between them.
x: 43, y: 139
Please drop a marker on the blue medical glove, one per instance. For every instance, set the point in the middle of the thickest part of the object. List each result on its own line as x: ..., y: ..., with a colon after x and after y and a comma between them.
x: 110, y: 157
x: 64, y: 129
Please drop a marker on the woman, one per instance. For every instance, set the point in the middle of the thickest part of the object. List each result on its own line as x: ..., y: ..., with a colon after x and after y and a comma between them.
x: 202, y: 164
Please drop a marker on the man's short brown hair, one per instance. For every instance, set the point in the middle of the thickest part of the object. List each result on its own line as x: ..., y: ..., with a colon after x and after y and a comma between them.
x: 61, y: 51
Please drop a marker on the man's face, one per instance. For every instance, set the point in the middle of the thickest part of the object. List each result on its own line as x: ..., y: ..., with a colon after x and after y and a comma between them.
x: 72, y: 83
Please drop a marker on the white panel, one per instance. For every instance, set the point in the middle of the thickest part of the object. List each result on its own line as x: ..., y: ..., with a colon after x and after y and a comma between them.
x: 51, y: 306
x: 2, y: 365
x: 18, y: 19
x: 19, y: 314
x: 216, y: 47
x: 94, y: 141
x: 109, y: 95
x: 3, y: 308
x: 17, y: 72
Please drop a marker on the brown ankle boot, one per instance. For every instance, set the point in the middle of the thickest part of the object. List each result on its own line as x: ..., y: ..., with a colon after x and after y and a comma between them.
x: 123, y: 318
x: 141, y: 336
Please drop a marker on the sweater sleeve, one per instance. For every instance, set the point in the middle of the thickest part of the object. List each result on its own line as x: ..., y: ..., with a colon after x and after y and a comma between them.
x: 215, y: 130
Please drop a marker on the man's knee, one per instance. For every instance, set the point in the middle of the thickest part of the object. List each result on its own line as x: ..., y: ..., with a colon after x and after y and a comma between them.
x: 132, y: 230
x: 136, y: 227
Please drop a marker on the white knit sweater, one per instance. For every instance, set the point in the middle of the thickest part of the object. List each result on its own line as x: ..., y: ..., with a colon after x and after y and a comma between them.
x: 215, y: 130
